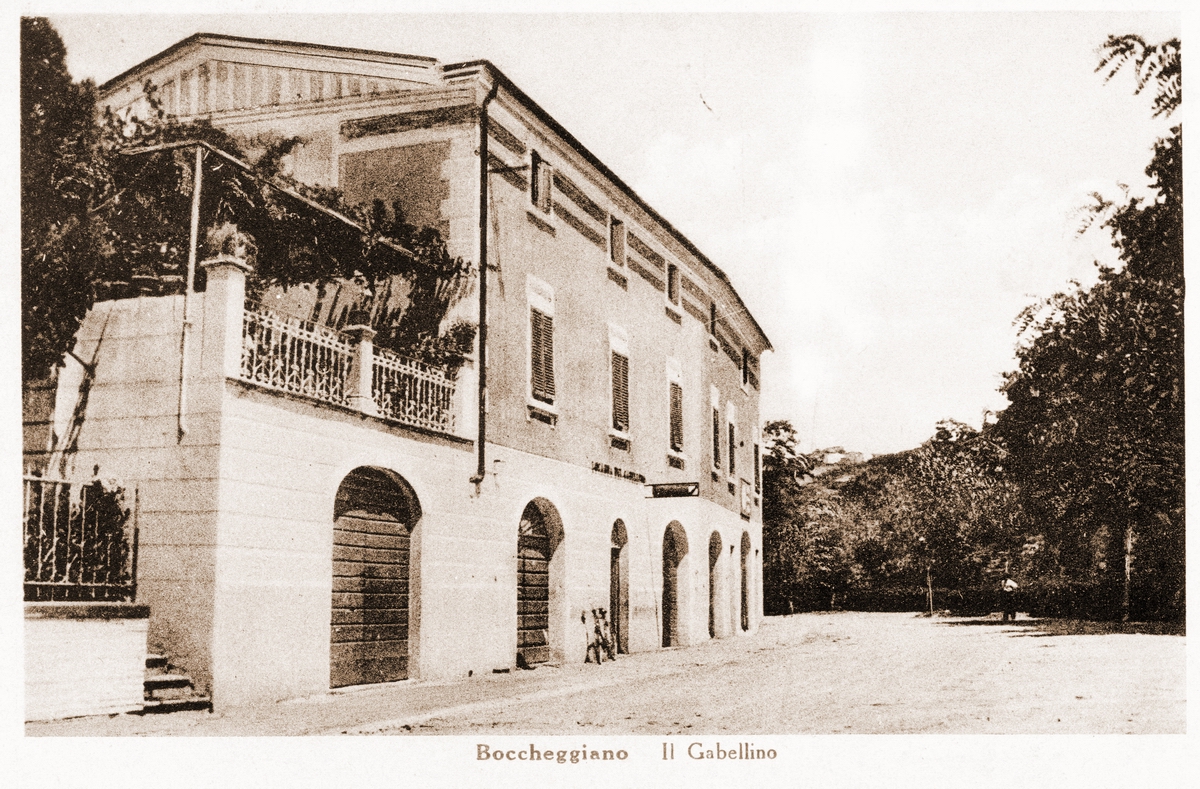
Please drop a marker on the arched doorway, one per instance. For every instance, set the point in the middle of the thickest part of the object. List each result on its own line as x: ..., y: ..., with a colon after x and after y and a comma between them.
x: 714, y: 556
x: 539, y: 583
x: 673, y: 552
x: 618, y: 587
x: 745, y: 581
x: 374, y: 511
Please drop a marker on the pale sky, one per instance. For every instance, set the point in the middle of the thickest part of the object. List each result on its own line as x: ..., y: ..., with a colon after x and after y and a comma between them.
x: 886, y: 191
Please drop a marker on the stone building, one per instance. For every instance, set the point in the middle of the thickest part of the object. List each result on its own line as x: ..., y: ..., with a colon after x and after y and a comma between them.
x: 362, y: 518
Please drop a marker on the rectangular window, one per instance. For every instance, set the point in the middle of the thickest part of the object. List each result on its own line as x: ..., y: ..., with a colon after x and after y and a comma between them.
x: 732, y: 449
x: 616, y: 241
x: 672, y: 283
x: 712, y: 318
x: 676, y: 417
x: 541, y: 183
x: 745, y: 368
x: 541, y: 328
x: 620, y: 392
x: 716, y: 435
x: 757, y: 468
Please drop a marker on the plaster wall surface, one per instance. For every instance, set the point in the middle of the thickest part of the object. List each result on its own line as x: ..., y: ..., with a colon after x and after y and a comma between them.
x: 128, y: 430
x: 281, y: 466
x: 240, y: 512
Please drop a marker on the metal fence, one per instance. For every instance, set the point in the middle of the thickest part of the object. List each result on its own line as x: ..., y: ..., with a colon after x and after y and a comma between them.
x: 295, y: 356
x: 411, y: 392
x: 80, y: 542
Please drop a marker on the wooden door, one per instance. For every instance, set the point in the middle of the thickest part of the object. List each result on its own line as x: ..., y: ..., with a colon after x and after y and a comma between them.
x: 714, y: 555
x: 614, y: 598
x: 670, y: 572
x: 533, y: 593
x: 745, y: 582
x: 369, y: 641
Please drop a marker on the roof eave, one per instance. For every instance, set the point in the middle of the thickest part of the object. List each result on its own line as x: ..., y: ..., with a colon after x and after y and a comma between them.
x: 499, y: 77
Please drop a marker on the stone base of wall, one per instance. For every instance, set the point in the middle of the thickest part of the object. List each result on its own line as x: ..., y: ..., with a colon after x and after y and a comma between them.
x: 84, y: 658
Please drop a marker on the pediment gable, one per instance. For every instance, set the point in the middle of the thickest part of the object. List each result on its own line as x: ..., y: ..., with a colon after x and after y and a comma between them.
x: 206, y: 74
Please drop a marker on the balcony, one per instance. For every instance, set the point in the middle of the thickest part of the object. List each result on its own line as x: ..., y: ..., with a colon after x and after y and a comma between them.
x: 343, y: 368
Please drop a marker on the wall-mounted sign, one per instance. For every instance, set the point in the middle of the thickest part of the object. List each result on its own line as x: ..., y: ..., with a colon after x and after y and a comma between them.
x: 671, y: 490
x: 619, y: 473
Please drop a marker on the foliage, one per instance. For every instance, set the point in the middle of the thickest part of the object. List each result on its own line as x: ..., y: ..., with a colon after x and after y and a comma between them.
x: 1096, y: 421
x: 1097, y: 407
x: 104, y: 217
x: 867, y: 534
x: 60, y: 252
x: 1153, y: 64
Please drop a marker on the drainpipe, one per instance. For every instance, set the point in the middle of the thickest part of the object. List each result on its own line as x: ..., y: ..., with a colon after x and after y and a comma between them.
x: 193, y: 243
x: 480, y: 442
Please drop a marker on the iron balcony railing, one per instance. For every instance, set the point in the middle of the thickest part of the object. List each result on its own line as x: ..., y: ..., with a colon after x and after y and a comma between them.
x: 295, y: 356
x: 300, y: 357
x: 411, y: 392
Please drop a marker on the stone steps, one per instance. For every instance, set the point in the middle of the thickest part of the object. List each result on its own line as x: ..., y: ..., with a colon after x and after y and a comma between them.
x: 167, y: 689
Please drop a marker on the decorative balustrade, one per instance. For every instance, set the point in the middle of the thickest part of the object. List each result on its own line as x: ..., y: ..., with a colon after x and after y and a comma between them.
x: 300, y: 357
x: 295, y: 356
x: 411, y: 392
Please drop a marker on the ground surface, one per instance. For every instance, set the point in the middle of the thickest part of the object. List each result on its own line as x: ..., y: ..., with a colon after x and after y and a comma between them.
x: 804, y: 674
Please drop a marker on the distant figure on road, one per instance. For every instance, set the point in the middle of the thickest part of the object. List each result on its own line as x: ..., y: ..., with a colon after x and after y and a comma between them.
x: 1008, y: 589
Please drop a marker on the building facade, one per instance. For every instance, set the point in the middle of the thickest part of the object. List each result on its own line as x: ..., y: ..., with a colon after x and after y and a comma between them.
x: 369, y: 519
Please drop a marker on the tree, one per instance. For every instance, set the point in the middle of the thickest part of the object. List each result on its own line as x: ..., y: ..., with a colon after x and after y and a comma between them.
x: 59, y: 249
x: 969, y: 526
x: 105, y: 210
x: 1096, y: 415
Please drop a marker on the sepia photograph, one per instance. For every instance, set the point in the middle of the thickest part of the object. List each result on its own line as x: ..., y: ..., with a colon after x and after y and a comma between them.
x: 623, y: 395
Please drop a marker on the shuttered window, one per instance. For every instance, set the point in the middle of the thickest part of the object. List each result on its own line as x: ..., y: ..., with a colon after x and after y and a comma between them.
x: 757, y: 469
x: 716, y: 438
x: 616, y: 241
x: 542, y: 361
x: 620, y: 392
x: 732, y: 449
x: 676, y: 417
x: 540, y: 184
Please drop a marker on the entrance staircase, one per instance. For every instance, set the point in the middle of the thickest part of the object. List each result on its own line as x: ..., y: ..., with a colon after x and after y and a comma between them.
x: 166, y: 689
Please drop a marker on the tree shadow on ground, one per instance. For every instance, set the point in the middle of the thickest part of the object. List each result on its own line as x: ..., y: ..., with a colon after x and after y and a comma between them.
x: 1044, y: 628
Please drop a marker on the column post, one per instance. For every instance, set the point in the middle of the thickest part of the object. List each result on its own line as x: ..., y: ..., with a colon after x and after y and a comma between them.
x: 358, y: 386
x: 224, y: 306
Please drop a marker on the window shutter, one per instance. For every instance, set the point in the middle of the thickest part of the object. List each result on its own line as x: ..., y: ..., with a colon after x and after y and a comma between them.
x: 676, y: 417
x: 757, y: 469
x: 620, y: 392
x: 540, y: 182
x: 542, y: 349
x: 535, y: 163
x: 616, y: 241
x: 716, y: 438
x: 732, y: 449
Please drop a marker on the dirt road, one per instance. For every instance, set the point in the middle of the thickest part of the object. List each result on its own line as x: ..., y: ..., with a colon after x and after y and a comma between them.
x: 810, y: 673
